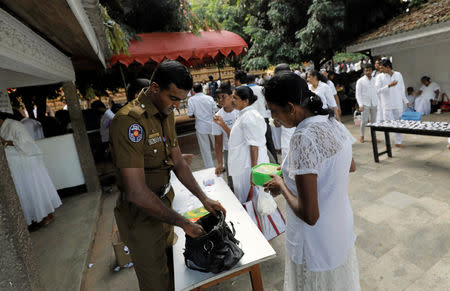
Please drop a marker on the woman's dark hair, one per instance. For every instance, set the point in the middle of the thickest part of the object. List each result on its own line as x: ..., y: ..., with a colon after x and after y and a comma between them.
x: 225, y: 88
x: 425, y: 78
x: 319, y: 76
x: 135, y: 87
x: 172, y: 72
x: 288, y: 87
x: 245, y: 93
x: 97, y: 104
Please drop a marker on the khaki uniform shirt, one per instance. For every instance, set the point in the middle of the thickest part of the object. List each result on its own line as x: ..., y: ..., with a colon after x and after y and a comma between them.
x: 142, y: 137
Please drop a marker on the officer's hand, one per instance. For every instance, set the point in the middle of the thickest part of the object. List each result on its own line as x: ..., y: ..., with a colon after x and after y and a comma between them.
x: 214, y: 206
x: 193, y: 230
x: 188, y: 158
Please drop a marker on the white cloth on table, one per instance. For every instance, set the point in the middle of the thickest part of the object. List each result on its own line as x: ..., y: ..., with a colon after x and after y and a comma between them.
x: 345, y: 277
x: 394, y: 114
x: 203, y: 107
x: 229, y: 118
x: 325, y: 94
x: 34, y: 128
x: 391, y: 97
x: 105, y: 121
x: 321, y: 146
x: 366, y: 92
x: 37, y: 194
x: 260, y: 103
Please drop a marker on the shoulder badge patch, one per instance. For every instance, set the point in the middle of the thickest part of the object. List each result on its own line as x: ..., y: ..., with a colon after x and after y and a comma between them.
x: 135, y: 133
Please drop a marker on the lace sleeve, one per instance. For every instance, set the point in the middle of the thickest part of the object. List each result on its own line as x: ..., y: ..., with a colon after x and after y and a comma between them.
x: 304, y: 157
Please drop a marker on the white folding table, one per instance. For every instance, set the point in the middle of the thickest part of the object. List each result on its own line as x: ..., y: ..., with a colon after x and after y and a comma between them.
x: 256, y: 248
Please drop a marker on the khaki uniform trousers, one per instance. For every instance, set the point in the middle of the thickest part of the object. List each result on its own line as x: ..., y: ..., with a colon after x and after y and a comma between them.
x: 150, y: 243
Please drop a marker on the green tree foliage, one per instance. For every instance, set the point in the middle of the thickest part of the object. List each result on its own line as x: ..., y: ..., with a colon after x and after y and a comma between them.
x: 333, y: 24
x: 229, y: 14
x: 294, y: 31
x: 272, y: 26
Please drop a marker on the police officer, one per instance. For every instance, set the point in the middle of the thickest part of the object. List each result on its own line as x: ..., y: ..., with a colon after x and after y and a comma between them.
x: 145, y: 149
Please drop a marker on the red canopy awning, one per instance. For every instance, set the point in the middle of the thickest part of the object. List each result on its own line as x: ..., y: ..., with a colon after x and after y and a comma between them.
x: 158, y: 46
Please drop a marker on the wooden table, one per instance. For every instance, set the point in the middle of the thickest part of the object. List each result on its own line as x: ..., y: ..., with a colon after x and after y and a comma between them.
x: 406, y: 127
x: 256, y: 248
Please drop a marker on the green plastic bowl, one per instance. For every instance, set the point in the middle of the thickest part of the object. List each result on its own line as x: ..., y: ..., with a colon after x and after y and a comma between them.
x: 260, y: 178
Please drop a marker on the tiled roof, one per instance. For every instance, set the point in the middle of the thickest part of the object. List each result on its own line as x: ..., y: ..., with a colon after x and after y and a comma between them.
x: 432, y: 12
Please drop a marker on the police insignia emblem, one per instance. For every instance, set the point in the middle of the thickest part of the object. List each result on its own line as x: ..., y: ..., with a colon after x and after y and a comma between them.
x: 135, y: 132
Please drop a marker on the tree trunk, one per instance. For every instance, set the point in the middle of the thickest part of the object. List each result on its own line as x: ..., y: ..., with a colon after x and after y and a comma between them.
x: 41, y: 103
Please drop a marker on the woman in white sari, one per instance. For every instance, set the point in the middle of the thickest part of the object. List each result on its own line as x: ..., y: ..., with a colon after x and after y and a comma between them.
x: 320, y: 242
x: 37, y: 194
x: 246, y: 149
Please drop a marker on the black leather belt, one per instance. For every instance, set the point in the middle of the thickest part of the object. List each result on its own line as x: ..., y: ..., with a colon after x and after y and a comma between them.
x: 161, y: 193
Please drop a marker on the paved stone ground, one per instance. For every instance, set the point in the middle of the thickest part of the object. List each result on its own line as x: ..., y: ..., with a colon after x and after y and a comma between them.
x: 402, y: 220
x: 62, y: 248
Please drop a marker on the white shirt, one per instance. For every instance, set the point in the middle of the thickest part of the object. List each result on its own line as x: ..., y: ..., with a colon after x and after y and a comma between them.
x: 428, y: 92
x: 366, y: 92
x: 105, y: 121
x: 203, y: 107
x: 393, y: 97
x: 260, y: 103
x: 411, y: 99
x: 332, y: 87
x: 229, y: 118
x: 248, y: 130
x: 324, y: 92
x: 34, y: 128
x: 321, y: 146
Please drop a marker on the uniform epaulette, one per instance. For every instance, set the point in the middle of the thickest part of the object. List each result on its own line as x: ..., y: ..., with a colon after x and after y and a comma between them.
x: 136, y: 111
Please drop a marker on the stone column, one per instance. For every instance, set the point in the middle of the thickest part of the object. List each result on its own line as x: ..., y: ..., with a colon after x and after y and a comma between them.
x: 81, y: 139
x: 18, y: 267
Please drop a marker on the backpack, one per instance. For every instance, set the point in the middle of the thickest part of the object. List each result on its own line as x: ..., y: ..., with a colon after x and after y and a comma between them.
x: 212, y: 88
x: 215, y: 251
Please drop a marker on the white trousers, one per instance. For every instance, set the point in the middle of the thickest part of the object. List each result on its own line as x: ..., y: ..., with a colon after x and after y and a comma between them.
x: 205, y: 148
x: 380, y: 115
x: 394, y: 114
x: 368, y: 112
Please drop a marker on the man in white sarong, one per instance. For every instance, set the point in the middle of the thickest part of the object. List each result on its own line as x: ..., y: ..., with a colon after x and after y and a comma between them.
x: 37, y: 194
x: 428, y: 93
x: 391, y: 89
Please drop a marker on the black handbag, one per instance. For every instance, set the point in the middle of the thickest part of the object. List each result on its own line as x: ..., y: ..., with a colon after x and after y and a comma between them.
x: 215, y: 251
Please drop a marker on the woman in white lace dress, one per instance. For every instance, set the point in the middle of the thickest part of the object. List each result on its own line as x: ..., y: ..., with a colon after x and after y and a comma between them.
x: 319, y: 234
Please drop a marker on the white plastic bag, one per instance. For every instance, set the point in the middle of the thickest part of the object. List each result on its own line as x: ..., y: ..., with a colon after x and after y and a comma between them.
x: 266, y: 203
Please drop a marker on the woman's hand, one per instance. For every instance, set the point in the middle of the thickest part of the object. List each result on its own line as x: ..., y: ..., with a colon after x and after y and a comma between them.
x: 275, y: 186
x: 219, y: 169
